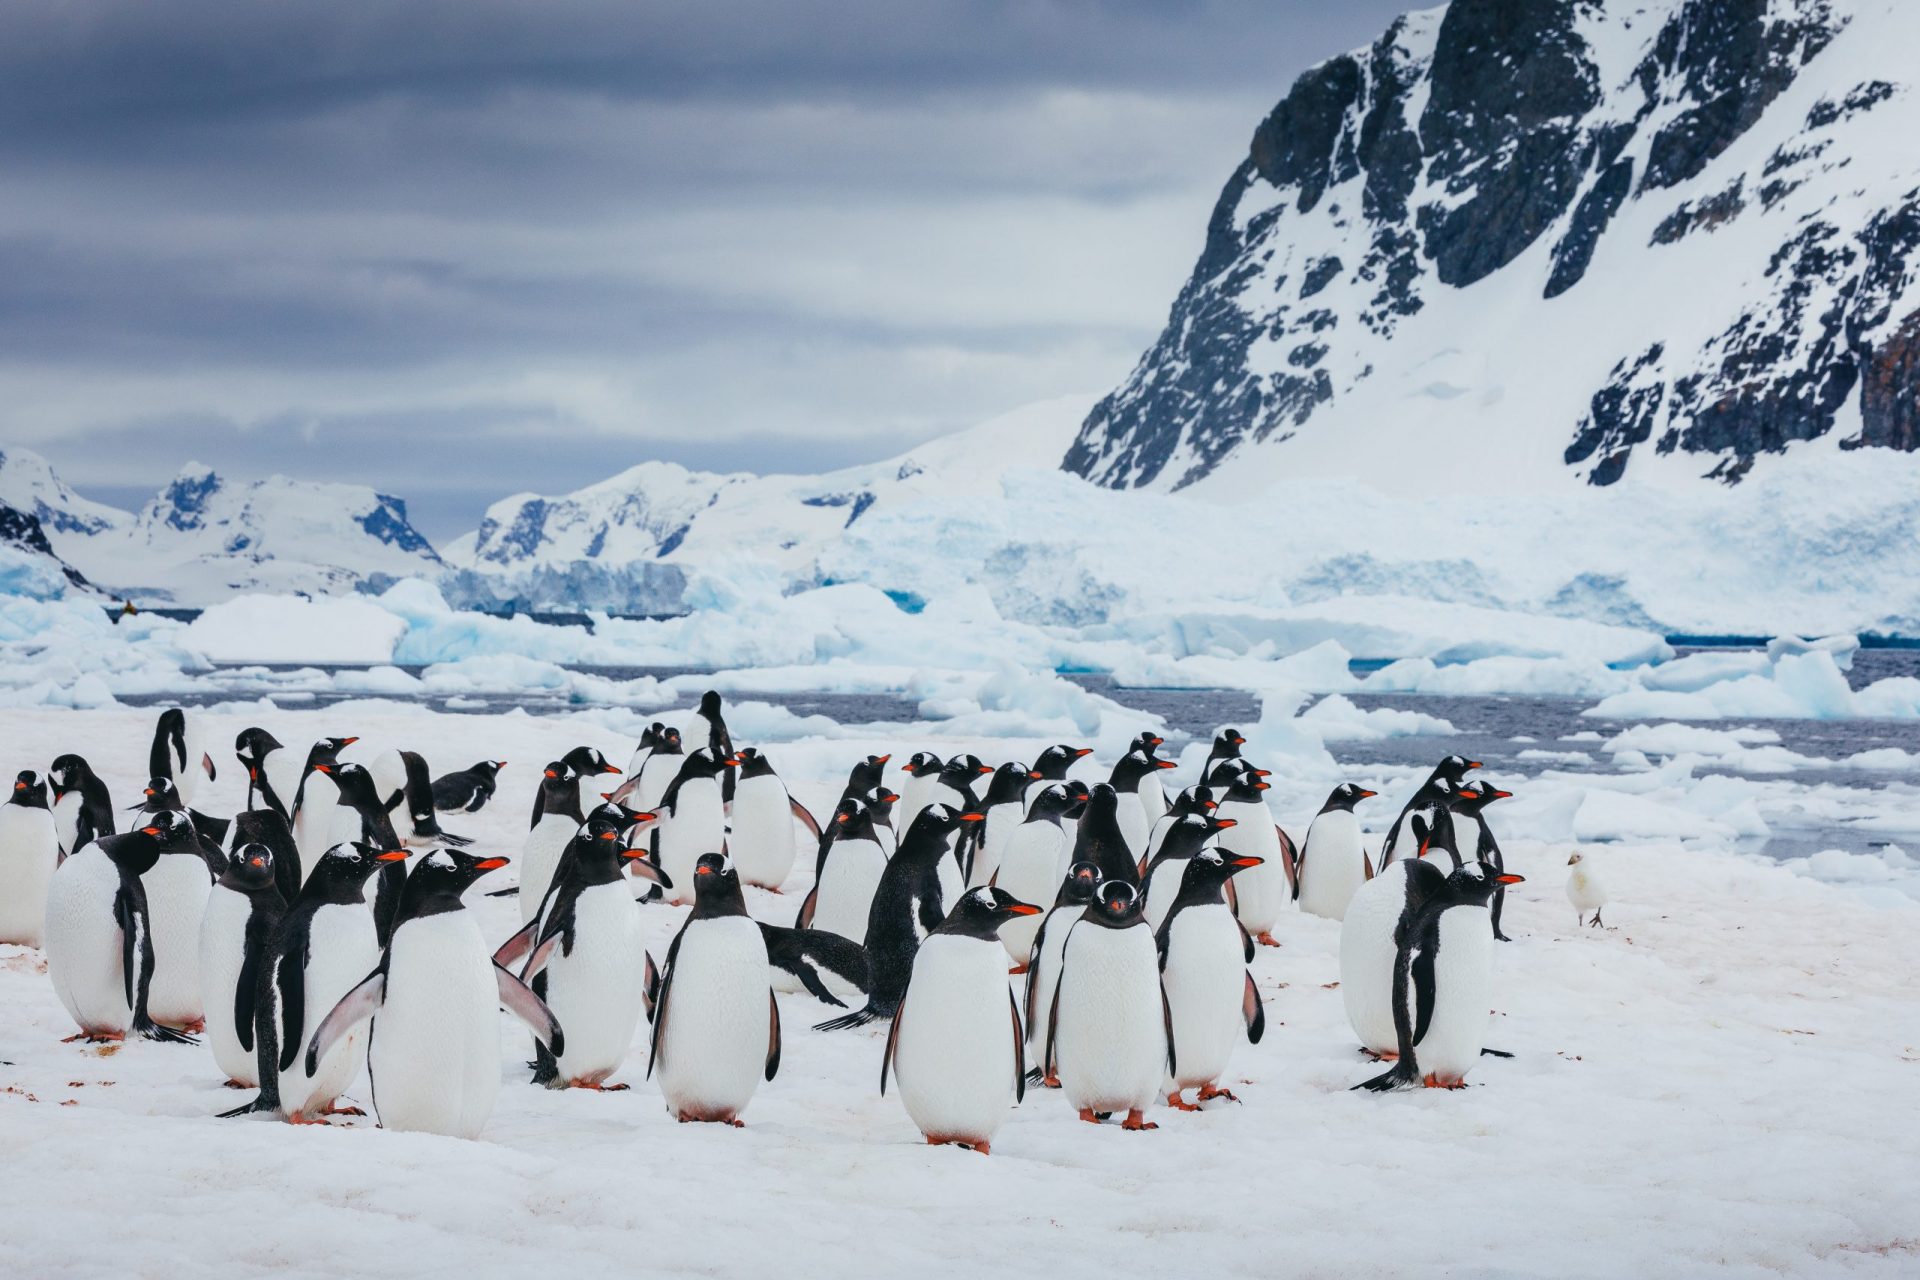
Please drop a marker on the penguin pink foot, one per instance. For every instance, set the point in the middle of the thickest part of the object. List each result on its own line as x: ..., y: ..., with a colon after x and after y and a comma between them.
x: 1266, y: 939
x: 1178, y: 1103
x: 1135, y: 1123
x: 96, y: 1037
x: 334, y: 1110
x: 234, y: 1084
x: 1086, y: 1113
x: 598, y: 1087
x: 1209, y: 1092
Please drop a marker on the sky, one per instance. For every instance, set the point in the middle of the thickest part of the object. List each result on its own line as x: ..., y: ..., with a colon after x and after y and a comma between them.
x: 458, y: 249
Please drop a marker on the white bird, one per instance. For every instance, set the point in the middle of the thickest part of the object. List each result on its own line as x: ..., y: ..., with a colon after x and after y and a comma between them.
x: 1585, y: 891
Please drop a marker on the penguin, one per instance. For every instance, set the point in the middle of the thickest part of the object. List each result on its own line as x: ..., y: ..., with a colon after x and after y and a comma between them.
x: 588, y: 765
x: 1129, y: 779
x: 1226, y: 746
x: 243, y: 912
x: 693, y: 820
x: 1198, y: 799
x: 1043, y: 966
x: 883, y: 804
x: 1153, y: 794
x: 560, y: 818
x: 467, y: 790
x: 1052, y: 764
x: 1110, y: 1032
x: 923, y: 771
x: 160, y: 796
x: 854, y: 862
x: 800, y: 959
x: 1584, y: 891
x: 1427, y: 800
x: 762, y: 840
x: 316, y: 811
x: 423, y: 829
x: 710, y: 729
x: 269, y: 827
x: 1333, y: 858
x: 82, y: 808
x: 260, y: 755
x: 1005, y: 805
x: 956, y: 1046
x: 1260, y: 893
x: 649, y: 739
x: 662, y: 766
x: 1472, y: 836
x: 29, y: 852
x: 1443, y: 984
x: 178, y: 753
x: 716, y: 1024
x: 867, y: 775
x: 1185, y: 837
x: 433, y: 1051
x: 954, y: 785
x: 582, y: 950
x: 177, y: 887
x: 1031, y: 865
x: 908, y: 903
x: 99, y: 941
x: 1378, y: 915
x: 368, y: 823
x: 1211, y: 998
x: 1101, y: 840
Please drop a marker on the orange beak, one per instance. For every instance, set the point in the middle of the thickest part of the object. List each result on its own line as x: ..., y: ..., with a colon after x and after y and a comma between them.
x: 147, y: 792
x: 19, y: 786
x: 149, y: 831
x: 1246, y: 862
x: 347, y: 742
x: 1022, y: 909
x: 319, y: 768
x: 609, y: 769
x: 391, y: 855
x: 1034, y: 774
x: 842, y: 818
x: 1082, y: 751
x: 257, y: 862
x: 973, y: 817
x: 552, y: 774
x: 609, y: 835
x: 703, y: 871
x: 1509, y: 879
x: 1165, y: 764
x: 1366, y: 794
x: 986, y: 768
x: 883, y: 759
x: 1221, y: 824
x: 1501, y: 795
x: 490, y: 864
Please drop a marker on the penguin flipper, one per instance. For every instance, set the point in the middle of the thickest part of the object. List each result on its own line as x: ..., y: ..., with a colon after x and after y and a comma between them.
x: 1032, y: 994
x: 806, y: 817
x: 789, y: 957
x: 1422, y: 978
x: 519, y: 944
x: 519, y: 1000
x: 1366, y: 860
x: 292, y: 979
x: 663, y: 990
x: 246, y: 998
x: 893, y: 1036
x: 649, y: 986
x: 1233, y: 899
x: 1246, y: 942
x: 1019, y: 1052
x: 805, y: 919
x: 214, y: 829
x: 1050, y: 1058
x: 355, y: 1007
x: 773, y: 1035
x: 130, y: 925
x: 538, y: 960
x: 1251, y: 1009
x: 1288, y: 859
x: 512, y: 891
x: 1166, y: 1020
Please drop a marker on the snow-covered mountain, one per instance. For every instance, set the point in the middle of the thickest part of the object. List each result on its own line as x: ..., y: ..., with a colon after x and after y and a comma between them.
x: 1525, y: 244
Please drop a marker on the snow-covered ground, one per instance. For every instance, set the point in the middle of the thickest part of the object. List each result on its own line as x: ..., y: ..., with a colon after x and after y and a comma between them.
x: 1720, y: 1083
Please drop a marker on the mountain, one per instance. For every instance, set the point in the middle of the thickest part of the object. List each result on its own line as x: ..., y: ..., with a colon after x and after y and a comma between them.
x: 1536, y: 244
x: 28, y: 484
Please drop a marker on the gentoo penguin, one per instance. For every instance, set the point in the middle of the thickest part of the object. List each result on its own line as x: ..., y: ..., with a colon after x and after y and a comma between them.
x: 867, y: 775
x: 1475, y: 839
x: 1153, y: 793
x: 762, y: 840
x: 553, y: 830
x: 1584, y: 891
x: 1101, y: 840
x: 956, y: 1042
x: 643, y: 791
x: 433, y: 1052
x: 693, y: 820
x: 923, y: 771
x: 177, y: 886
x: 1197, y: 799
x: 1052, y: 764
x: 243, y: 912
x: 99, y: 942
x: 956, y: 784
x: 1443, y: 984
x: 404, y: 786
x: 716, y: 1025
x: 1043, y: 969
x: 1226, y: 746
x: 582, y: 951
x: 269, y: 827
x: 1378, y: 914
x: 1005, y: 805
x: 1211, y: 998
x: 160, y: 796
x: 29, y: 851
x: 1030, y: 865
x: 1185, y: 836
x: 588, y: 767
x: 82, y: 809
x: 882, y: 803
x: 260, y: 754
x: 709, y: 729
x: 854, y: 862
x: 360, y: 795
x: 1260, y: 893
x: 178, y: 753
x: 316, y: 809
x: 1428, y: 800
x: 469, y: 789
x: 324, y: 945
x: 1109, y: 1032
x: 1333, y: 858
x: 649, y: 739
x: 800, y: 959
x: 908, y: 904
x: 1130, y: 778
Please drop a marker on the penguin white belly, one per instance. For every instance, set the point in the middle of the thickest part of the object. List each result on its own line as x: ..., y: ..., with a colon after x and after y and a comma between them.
x: 1205, y: 979
x: 341, y: 950
x: 1134, y: 827
x: 953, y: 1056
x: 847, y: 882
x: 1466, y: 834
x: 713, y: 1049
x: 1260, y: 891
x: 192, y: 774
x: 313, y: 825
x: 1045, y: 973
x: 952, y: 883
x: 1462, y: 995
x: 916, y: 793
x: 223, y: 935
x: 66, y: 820
x: 637, y: 762
x: 1162, y: 887
x: 177, y: 889
x: 656, y: 775
x: 592, y: 991
x: 540, y: 857
x: 283, y: 775
x: 1367, y: 954
x: 29, y: 849
x: 1153, y: 800
x: 1336, y: 864
x: 1110, y: 1042
x: 697, y: 825
x: 434, y: 1052
x: 1031, y: 872
x: 83, y: 942
x: 1002, y: 821
x: 762, y: 843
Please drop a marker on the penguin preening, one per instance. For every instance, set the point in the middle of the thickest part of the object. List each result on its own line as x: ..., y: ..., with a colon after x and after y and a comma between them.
x: 178, y: 753
x: 467, y: 790
x: 956, y: 1044
x: 82, y: 808
x: 29, y: 852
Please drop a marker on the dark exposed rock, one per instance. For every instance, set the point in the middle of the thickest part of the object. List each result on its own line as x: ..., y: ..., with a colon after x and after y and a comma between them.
x: 1590, y: 218
x: 1716, y: 209
x: 1889, y: 407
x: 1320, y: 275
x: 22, y: 529
x: 1300, y: 144
x: 1860, y: 98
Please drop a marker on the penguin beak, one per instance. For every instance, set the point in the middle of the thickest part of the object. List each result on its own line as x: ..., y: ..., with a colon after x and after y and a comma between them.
x: 1509, y: 879
x: 1021, y: 909
x: 883, y: 759
x: 1239, y: 742
x: 1246, y: 862
x: 1035, y: 774
x: 256, y: 862
x: 1263, y: 773
x: 1221, y: 824
x: 1165, y: 764
x: 1473, y: 764
x: 499, y: 764
x: 490, y: 864
x: 973, y: 817
x: 1366, y: 794
x: 347, y: 742
x: 1575, y: 858
x: 843, y: 818
x: 986, y: 768
x: 703, y: 871
x: 391, y: 855
x: 149, y: 831
x: 1263, y: 786
x: 19, y: 786
x: 550, y: 773
x: 1501, y: 795
x: 609, y: 835
x: 609, y: 769
x: 319, y: 768
x: 1082, y: 751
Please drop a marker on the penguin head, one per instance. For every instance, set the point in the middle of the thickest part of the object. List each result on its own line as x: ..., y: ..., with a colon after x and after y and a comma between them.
x: 1454, y: 768
x: 1148, y: 742
x: 753, y: 764
x: 981, y: 912
x: 866, y: 775
x: 1345, y: 796
x: 327, y: 750
x: 67, y: 773
x: 650, y: 736
x: 357, y: 790
x: 587, y: 762
x: 1245, y: 784
x: 1193, y: 800
x: 1052, y: 764
x: 437, y: 880
x: 1475, y: 882
x: 618, y: 816
x: 1209, y: 869
x: 710, y: 704
x: 158, y: 795
x: 488, y: 768
x: 1117, y: 905
x: 29, y: 790
x: 716, y: 888
x: 1009, y: 785
x: 1187, y: 834
x: 669, y: 740
x: 938, y: 821
x: 557, y: 779
x: 1054, y: 802
x: 254, y: 745
x: 1477, y: 795
x: 170, y: 827
x: 961, y: 771
x: 250, y: 867
x: 348, y: 864
x: 853, y: 819
x: 923, y: 764
x: 1079, y: 884
x: 1227, y: 743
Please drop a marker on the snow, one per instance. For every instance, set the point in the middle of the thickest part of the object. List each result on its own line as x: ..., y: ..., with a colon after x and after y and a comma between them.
x: 290, y: 629
x: 1807, y: 684
x: 1736, y: 1008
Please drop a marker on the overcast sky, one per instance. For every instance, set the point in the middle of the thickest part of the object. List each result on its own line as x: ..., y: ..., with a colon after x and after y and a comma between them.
x: 457, y: 249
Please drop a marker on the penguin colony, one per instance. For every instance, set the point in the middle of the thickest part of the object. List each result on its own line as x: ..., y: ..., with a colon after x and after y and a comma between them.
x: 325, y: 924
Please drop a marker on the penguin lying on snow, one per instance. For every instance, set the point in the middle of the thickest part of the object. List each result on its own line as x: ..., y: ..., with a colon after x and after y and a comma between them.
x: 467, y: 790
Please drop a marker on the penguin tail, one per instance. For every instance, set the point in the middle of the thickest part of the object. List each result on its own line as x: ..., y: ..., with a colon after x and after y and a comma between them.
x: 1495, y: 1053
x: 858, y: 1018
x: 163, y: 1035
x: 1402, y: 1076
x: 448, y: 838
x: 512, y: 892
x: 1035, y: 1076
x: 258, y: 1105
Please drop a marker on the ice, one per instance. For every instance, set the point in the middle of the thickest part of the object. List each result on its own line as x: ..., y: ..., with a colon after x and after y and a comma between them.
x: 1841, y: 647
x: 1337, y: 719
x: 1566, y: 677
x: 1807, y: 684
x: 254, y: 628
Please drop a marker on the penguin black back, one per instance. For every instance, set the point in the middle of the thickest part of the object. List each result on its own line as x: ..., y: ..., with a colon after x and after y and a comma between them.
x: 71, y: 772
x: 1099, y: 839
